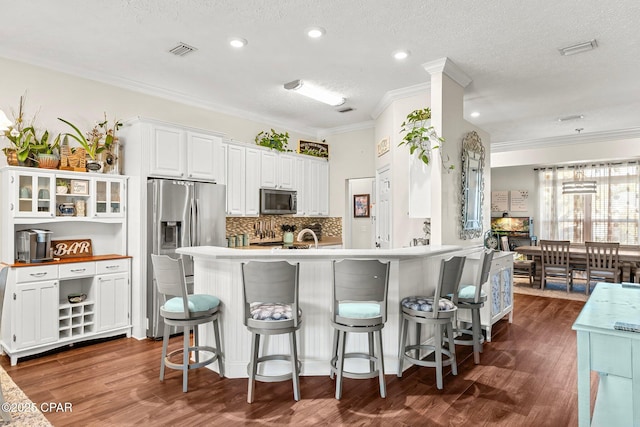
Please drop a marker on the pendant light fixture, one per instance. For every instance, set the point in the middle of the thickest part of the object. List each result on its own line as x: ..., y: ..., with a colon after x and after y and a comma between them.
x: 579, y: 186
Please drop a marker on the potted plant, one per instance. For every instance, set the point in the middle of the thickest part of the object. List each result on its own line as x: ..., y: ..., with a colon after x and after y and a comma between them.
x: 273, y: 140
x: 96, y: 141
x: 22, y: 139
x: 420, y: 136
x: 62, y: 186
x: 46, y: 151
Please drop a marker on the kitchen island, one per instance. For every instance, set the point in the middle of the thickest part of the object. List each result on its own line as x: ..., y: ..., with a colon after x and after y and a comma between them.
x: 217, y: 271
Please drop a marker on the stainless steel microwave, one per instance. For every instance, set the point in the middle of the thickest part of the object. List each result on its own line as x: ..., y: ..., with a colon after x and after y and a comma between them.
x: 277, y: 202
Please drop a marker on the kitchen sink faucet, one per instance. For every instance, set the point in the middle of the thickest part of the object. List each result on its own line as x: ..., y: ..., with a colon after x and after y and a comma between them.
x: 308, y: 230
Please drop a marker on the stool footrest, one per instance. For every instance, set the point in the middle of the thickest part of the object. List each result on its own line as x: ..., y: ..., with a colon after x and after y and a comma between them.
x: 274, y: 378
x: 355, y: 375
x: 195, y: 365
x: 446, y: 359
x: 468, y: 334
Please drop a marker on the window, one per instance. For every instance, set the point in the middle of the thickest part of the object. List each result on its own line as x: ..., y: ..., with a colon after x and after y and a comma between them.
x: 609, y: 215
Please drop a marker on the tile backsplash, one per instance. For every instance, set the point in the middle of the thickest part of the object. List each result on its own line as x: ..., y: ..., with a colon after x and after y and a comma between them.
x: 331, y: 226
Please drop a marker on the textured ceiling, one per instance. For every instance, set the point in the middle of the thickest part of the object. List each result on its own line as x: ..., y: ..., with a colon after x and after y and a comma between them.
x: 520, y: 83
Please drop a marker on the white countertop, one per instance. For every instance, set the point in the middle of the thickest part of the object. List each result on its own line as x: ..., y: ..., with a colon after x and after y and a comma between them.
x: 216, y: 252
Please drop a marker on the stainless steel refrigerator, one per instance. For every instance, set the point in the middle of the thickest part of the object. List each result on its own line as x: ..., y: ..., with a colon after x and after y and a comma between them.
x: 180, y: 213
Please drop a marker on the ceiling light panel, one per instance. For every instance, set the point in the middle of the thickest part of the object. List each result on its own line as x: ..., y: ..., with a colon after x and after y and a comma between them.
x: 315, y: 92
x: 578, y: 48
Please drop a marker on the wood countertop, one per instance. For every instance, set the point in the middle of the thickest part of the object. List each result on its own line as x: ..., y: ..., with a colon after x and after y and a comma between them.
x: 69, y: 260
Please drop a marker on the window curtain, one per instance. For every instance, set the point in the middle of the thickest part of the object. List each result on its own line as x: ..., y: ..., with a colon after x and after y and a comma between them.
x: 609, y: 215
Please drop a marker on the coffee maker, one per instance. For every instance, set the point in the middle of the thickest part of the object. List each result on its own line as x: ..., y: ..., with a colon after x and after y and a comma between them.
x: 33, y: 246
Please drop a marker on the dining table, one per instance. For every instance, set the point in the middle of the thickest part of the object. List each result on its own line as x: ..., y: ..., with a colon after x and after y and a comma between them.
x: 629, y: 256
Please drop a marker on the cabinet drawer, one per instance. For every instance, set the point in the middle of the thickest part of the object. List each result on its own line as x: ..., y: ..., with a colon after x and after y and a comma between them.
x: 36, y: 274
x: 112, y: 266
x: 80, y: 269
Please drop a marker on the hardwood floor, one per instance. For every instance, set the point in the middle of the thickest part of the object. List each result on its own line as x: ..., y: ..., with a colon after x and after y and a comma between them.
x: 527, y: 377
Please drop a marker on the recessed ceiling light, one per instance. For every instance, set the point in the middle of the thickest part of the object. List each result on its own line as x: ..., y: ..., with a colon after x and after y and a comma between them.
x: 475, y: 114
x: 577, y: 48
x: 316, y: 32
x: 401, y: 54
x: 238, y: 42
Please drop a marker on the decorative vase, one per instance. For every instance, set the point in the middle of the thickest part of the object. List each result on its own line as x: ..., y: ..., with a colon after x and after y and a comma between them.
x: 48, y: 161
x: 287, y: 238
x: 12, y: 157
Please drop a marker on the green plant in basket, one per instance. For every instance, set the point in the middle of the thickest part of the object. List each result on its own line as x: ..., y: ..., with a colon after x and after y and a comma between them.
x: 274, y: 140
x: 420, y: 137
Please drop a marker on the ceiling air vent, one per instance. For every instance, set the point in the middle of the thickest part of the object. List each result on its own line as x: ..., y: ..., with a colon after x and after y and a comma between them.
x: 182, y: 49
x: 345, y: 110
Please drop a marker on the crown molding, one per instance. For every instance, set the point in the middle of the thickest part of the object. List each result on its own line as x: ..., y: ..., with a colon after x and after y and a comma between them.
x: 555, y: 141
x: 394, y: 95
x: 448, y: 67
x: 147, y: 89
x: 347, y: 128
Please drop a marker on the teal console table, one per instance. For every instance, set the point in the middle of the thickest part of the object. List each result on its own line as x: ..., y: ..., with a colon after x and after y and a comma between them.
x: 614, y: 354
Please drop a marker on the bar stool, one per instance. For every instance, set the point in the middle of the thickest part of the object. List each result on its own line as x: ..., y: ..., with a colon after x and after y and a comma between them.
x: 270, y: 293
x: 472, y: 297
x: 359, y: 291
x: 185, y: 311
x: 422, y: 310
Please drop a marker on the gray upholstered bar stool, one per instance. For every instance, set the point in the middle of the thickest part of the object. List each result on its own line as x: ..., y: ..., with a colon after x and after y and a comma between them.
x: 472, y: 297
x: 187, y: 312
x: 422, y: 310
x: 360, y: 290
x: 270, y: 292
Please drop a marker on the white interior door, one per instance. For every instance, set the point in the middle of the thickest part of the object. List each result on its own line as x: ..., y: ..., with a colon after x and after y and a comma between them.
x: 383, y: 207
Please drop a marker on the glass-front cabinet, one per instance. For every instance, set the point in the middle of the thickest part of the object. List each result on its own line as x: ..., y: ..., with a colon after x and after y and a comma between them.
x: 34, y: 195
x: 108, y: 197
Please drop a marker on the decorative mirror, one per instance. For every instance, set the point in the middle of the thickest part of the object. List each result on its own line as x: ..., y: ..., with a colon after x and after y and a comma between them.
x: 472, y: 186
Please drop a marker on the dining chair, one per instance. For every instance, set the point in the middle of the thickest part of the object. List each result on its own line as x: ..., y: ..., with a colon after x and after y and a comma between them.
x: 555, y: 262
x: 271, y: 307
x: 603, y: 263
x: 522, y: 267
x: 187, y: 311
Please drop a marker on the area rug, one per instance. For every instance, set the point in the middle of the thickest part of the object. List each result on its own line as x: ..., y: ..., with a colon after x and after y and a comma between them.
x: 552, y: 290
x: 23, y: 411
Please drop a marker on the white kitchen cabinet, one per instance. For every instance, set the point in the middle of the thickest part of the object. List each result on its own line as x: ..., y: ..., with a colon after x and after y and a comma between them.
x: 38, y: 315
x: 301, y: 165
x: 109, y: 194
x: 277, y: 170
x: 204, y: 157
x: 499, y: 291
x: 167, y: 151
x: 35, y: 312
x: 252, y: 182
x: 243, y: 180
x: 112, y: 300
x: 32, y: 193
x: 316, y: 185
x: 178, y: 152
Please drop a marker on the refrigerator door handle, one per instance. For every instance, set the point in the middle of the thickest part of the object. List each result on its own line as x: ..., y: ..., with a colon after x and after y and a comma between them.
x: 196, y: 223
x: 194, y: 219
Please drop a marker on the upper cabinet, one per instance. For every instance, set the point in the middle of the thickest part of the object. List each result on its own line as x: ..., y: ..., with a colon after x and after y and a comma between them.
x: 177, y: 152
x: 243, y: 180
x: 205, y: 157
x: 168, y: 149
x: 277, y: 170
x: 315, y: 200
